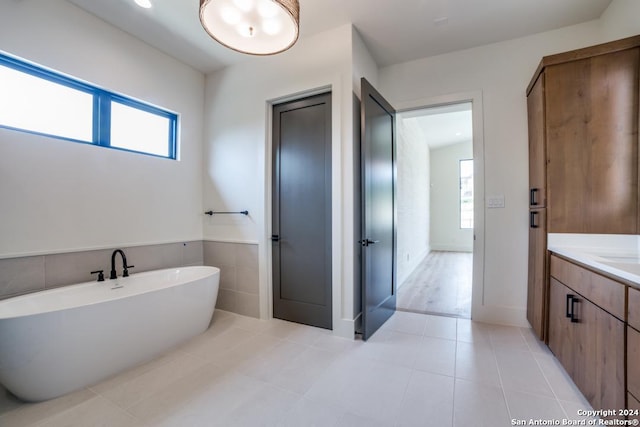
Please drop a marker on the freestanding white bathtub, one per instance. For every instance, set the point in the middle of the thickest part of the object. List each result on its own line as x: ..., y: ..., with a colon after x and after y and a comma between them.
x: 56, y: 341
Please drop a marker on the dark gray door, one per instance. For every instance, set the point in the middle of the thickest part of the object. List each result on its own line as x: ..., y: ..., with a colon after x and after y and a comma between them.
x: 301, y: 226
x: 378, y: 155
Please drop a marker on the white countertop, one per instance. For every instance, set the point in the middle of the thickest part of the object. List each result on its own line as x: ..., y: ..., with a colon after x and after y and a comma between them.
x: 616, y: 254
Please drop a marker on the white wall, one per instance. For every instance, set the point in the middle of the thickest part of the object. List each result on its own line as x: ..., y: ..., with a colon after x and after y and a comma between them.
x: 238, y: 151
x: 446, y: 234
x: 63, y: 196
x: 412, y: 197
x: 621, y: 20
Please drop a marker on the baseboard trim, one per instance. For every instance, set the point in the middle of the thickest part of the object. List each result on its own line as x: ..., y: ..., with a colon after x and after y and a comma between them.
x: 344, y: 328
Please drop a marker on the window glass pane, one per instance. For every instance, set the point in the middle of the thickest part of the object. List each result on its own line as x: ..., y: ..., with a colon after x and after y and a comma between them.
x: 466, y: 193
x: 139, y: 130
x: 39, y: 105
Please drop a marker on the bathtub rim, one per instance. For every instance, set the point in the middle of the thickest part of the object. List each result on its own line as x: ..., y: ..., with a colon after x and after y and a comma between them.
x: 127, y: 283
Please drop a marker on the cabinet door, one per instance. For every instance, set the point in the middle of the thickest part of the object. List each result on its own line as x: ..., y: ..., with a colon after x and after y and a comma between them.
x: 592, y: 144
x: 598, y: 355
x: 585, y: 343
x: 537, y: 152
x: 560, y: 327
x: 634, y: 308
x: 609, y: 369
x: 591, y: 348
x: 537, y: 280
x: 634, y: 404
x: 633, y: 356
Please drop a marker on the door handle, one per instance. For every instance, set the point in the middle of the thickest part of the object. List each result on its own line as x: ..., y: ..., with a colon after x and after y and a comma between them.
x: 532, y: 220
x: 574, y: 319
x: 532, y: 197
x: 367, y: 242
x: 275, y: 238
x: 569, y: 306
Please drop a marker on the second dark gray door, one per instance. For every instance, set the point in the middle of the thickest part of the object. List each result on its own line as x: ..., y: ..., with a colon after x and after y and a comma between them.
x: 378, y: 168
x: 301, y: 226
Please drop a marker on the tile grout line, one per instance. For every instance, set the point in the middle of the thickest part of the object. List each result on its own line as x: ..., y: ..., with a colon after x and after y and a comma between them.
x: 504, y: 394
x: 455, y: 368
x: 544, y: 375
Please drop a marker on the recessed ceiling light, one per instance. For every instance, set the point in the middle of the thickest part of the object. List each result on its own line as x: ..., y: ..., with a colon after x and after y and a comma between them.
x: 144, y: 3
x: 458, y: 133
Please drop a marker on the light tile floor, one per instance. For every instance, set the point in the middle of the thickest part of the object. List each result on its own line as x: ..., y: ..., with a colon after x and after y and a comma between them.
x: 418, y: 370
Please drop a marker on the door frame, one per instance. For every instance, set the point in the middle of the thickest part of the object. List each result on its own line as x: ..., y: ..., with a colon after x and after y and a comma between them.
x: 342, y: 325
x: 475, y: 97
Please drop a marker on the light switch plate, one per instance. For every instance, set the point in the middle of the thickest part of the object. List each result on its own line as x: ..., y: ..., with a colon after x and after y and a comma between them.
x: 495, y: 202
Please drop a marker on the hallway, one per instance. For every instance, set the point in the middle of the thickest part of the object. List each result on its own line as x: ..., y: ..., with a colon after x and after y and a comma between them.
x: 441, y: 284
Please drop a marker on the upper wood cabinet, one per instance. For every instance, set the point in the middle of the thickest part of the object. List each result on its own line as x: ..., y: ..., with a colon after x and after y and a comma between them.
x: 592, y: 143
x: 583, y: 138
x: 537, y: 151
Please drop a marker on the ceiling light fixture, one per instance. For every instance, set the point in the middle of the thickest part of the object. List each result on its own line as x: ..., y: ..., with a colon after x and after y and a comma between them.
x: 144, y: 3
x: 256, y: 27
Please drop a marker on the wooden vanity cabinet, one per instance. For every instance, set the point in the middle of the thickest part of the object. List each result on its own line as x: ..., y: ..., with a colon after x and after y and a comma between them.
x: 588, y: 340
x: 633, y: 309
x: 633, y: 357
x: 633, y: 349
x: 633, y: 404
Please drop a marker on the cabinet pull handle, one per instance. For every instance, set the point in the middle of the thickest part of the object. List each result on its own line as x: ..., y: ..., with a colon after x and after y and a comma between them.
x: 532, y: 197
x: 569, y: 306
x: 532, y: 220
x: 574, y: 319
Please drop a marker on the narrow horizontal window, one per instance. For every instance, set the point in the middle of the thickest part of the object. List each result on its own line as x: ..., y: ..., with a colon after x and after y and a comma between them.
x: 37, y: 100
x: 34, y: 104
x: 138, y: 130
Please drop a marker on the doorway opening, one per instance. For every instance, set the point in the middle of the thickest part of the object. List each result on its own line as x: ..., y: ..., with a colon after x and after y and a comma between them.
x: 436, y: 209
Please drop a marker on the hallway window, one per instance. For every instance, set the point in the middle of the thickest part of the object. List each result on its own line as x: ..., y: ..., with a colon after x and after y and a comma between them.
x: 466, y: 193
x: 43, y: 102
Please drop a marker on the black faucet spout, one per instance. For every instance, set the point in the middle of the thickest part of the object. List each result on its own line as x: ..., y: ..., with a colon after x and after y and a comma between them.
x: 125, y: 267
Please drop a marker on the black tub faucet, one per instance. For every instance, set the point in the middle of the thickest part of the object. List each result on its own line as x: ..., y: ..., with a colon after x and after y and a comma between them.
x: 125, y: 267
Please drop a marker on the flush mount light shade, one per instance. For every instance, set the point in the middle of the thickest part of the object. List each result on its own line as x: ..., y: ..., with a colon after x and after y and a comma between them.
x: 256, y: 27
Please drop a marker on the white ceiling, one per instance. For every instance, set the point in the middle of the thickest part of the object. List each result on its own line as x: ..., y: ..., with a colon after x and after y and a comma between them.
x: 394, y: 30
x: 443, y: 125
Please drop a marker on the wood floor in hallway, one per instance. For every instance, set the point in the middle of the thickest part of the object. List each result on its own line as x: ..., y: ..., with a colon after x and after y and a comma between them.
x: 441, y: 284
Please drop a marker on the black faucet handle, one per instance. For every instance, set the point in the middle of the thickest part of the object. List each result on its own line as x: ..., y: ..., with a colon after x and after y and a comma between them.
x: 100, y: 274
x: 125, y: 273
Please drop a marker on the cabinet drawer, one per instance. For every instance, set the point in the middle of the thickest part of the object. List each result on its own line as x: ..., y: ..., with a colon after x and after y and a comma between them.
x: 633, y: 361
x: 634, y: 308
x: 604, y: 292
